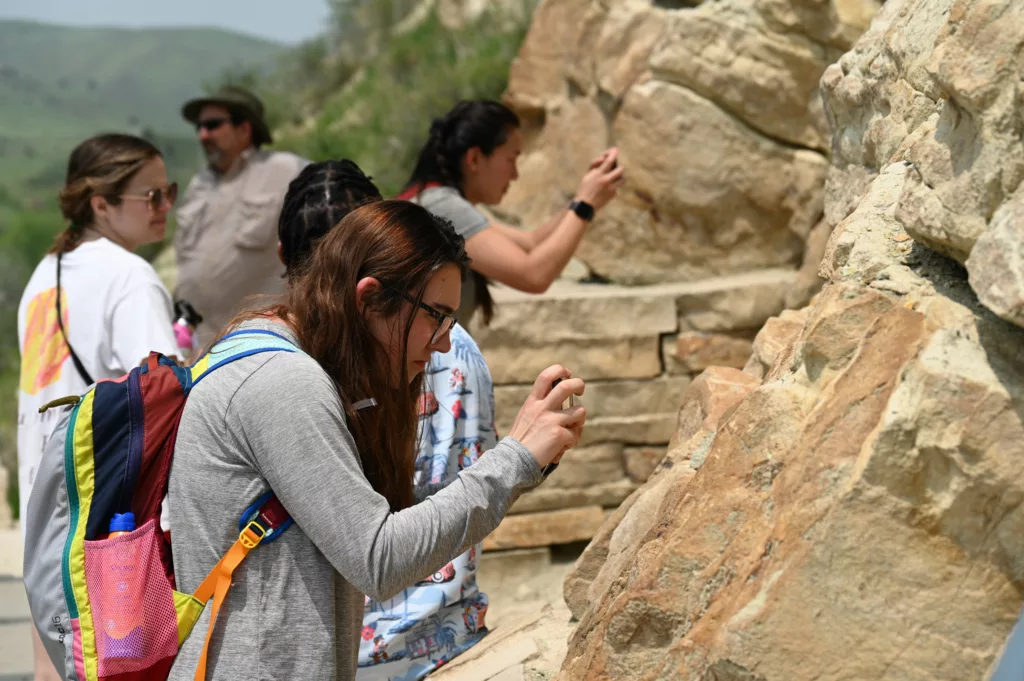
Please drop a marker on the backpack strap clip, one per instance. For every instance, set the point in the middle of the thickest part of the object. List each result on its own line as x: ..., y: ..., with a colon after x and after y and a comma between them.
x: 252, y: 535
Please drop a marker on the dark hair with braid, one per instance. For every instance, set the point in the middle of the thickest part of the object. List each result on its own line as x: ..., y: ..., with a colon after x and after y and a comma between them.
x: 317, y: 200
x: 103, y: 165
x: 479, y: 123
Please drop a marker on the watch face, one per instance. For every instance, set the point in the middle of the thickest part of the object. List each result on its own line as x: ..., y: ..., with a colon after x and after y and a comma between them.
x: 582, y: 209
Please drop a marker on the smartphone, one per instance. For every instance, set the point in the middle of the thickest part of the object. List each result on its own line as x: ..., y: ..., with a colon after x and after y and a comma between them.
x: 550, y: 468
x: 568, y: 402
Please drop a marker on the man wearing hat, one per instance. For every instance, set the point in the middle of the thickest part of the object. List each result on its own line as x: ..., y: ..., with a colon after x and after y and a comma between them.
x: 226, y: 240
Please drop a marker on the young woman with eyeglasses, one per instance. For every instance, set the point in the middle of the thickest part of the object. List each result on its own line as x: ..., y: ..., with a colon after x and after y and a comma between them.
x: 456, y: 426
x: 332, y: 431
x: 92, y: 308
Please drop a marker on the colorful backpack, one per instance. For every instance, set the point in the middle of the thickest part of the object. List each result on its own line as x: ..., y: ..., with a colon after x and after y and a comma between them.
x: 106, y: 606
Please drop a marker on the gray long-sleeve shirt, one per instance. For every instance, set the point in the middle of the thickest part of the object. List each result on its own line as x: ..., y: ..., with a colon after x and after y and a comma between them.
x: 275, y: 421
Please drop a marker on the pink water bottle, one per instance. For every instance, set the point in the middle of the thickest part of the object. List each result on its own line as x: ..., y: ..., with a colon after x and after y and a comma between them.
x: 185, y: 327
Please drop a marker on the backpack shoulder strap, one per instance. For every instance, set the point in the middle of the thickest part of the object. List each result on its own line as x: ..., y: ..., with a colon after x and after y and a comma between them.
x: 237, y: 345
x: 261, y: 526
x: 264, y: 520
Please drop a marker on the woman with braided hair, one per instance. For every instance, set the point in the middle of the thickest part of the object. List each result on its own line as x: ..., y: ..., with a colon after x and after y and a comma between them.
x: 92, y: 308
x: 456, y: 424
x: 317, y: 200
x: 470, y: 158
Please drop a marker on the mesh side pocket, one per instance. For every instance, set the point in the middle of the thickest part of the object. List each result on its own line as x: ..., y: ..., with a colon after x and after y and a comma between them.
x: 132, y: 603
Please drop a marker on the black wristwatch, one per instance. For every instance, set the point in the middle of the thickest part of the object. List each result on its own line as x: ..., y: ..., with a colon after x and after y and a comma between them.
x: 584, y: 211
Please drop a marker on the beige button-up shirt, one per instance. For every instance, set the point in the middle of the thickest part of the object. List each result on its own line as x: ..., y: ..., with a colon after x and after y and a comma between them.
x: 226, y: 240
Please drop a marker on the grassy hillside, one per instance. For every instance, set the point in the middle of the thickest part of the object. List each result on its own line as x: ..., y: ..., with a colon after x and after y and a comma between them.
x: 60, y: 84
x: 382, y: 115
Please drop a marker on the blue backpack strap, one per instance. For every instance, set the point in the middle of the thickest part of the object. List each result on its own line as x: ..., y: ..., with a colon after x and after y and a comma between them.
x: 237, y: 345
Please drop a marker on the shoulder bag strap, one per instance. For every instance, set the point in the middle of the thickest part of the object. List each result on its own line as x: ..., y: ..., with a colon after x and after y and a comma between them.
x: 60, y: 322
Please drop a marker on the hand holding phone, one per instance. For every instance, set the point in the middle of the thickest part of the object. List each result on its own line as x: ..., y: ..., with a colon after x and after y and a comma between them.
x: 542, y: 425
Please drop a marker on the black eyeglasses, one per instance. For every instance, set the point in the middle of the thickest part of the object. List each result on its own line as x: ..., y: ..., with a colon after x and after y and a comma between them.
x: 445, y: 322
x: 156, y: 197
x: 210, y: 124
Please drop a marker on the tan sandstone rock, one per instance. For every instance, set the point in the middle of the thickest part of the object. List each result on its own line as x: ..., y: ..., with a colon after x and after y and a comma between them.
x: 850, y: 481
x: 943, y: 99
x: 996, y: 263
x: 716, y: 111
x: 695, y: 351
x: 857, y: 515
x: 774, y: 341
x: 708, y: 402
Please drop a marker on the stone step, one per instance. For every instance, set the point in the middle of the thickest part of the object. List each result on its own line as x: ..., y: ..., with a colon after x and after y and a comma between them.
x: 616, y: 332
x: 546, y: 529
x: 603, y: 398
x: 575, y: 311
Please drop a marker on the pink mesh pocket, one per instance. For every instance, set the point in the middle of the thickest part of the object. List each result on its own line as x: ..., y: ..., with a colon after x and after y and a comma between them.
x: 132, y: 605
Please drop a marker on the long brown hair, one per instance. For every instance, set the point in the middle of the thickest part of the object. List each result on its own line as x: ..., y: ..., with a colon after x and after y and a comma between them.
x: 103, y: 165
x: 401, y: 245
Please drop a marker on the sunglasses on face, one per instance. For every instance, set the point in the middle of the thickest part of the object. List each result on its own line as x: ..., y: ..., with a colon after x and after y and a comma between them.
x: 156, y: 197
x: 210, y: 124
x: 445, y: 322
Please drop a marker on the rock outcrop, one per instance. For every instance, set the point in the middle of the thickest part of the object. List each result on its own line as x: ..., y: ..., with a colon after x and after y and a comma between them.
x: 709, y: 401
x: 716, y: 110
x: 857, y: 514
x: 944, y: 99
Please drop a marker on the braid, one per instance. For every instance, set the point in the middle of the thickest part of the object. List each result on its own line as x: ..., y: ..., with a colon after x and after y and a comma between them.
x: 317, y: 200
x: 68, y: 240
x: 438, y: 139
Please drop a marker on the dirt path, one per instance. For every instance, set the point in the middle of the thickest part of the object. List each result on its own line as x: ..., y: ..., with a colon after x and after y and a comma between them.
x: 529, y: 621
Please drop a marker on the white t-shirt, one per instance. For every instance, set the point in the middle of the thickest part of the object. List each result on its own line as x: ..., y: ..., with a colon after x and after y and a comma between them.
x: 115, y: 311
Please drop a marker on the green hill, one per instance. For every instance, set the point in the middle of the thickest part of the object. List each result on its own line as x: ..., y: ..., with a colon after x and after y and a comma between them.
x: 60, y: 84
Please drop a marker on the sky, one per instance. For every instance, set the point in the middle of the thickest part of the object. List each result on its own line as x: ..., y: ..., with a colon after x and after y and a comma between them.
x: 286, y: 21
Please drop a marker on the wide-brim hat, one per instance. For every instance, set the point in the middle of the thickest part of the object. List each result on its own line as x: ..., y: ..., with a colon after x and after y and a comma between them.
x: 235, y: 99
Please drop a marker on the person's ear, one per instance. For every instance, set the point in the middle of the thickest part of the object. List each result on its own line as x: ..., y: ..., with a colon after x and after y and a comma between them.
x: 472, y: 159
x: 100, y: 208
x: 245, y: 127
x: 280, y: 253
x: 366, y: 288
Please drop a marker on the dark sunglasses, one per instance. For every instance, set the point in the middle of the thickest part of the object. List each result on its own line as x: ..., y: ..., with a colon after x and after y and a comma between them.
x: 156, y: 197
x: 445, y: 322
x: 210, y: 124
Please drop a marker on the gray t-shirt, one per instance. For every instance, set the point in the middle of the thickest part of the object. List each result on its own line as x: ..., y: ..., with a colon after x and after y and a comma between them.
x: 449, y: 203
x: 275, y: 421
